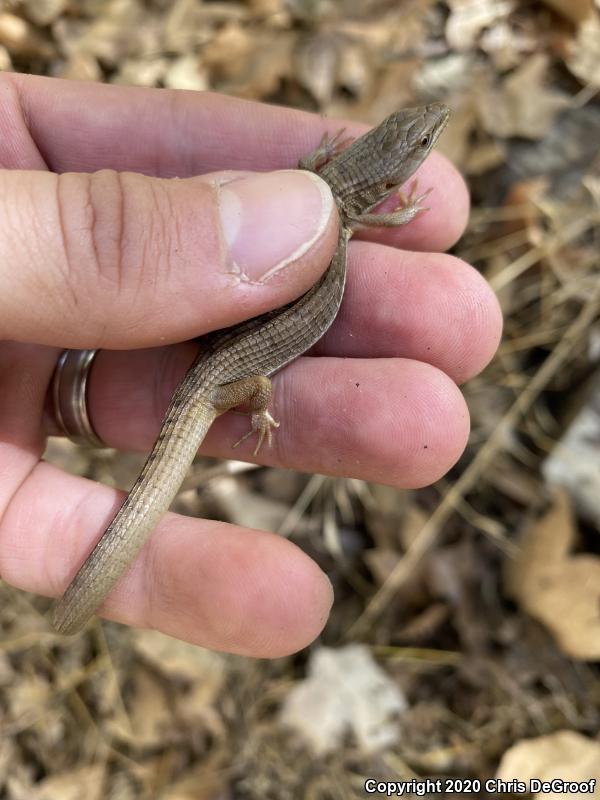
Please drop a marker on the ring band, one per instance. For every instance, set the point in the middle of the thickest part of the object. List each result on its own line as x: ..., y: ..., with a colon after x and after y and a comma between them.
x: 69, y: 394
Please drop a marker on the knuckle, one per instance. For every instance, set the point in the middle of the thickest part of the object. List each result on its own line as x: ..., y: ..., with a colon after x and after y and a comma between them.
x: 118, y: 225
x: 90, y: 220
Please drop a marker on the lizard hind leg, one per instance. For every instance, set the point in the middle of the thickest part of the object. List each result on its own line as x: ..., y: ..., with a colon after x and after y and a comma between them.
x: 255, y: 392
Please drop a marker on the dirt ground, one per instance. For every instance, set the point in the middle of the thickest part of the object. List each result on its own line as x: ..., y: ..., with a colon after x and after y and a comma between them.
x: 464, y: 642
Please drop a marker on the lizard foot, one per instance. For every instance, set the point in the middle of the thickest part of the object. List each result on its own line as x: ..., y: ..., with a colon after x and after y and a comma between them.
x: 328, y: 148
x: 262, y: 423
x: 413, y: 201
x: 406, y: 210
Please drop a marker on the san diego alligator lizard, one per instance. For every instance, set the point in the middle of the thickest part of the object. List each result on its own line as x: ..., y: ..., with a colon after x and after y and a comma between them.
x: 233, y: 365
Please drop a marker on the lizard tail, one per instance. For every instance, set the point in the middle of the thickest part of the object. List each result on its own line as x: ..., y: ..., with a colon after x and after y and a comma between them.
x: 152, y: 494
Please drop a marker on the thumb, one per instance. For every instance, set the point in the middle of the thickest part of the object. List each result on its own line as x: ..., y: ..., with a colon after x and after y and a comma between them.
x: 121, y: 260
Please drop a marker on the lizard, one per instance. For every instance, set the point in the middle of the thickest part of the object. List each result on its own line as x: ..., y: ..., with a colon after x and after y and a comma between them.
x: 233, y: 365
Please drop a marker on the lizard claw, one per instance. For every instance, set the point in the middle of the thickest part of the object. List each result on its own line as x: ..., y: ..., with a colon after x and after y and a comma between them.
x: 413, y: 201
x: 262, y: 423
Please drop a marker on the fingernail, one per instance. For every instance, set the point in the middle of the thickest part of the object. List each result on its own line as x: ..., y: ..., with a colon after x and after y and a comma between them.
x: 270, y: 220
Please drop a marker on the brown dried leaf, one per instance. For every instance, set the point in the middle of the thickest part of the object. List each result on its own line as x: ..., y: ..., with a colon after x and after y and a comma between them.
x: 456, y: 142
x: 483, y: 157
x: 523, y: 105
x: 85, y: 782
x: 230, y: 52
x: 573, y: 462
x: 179, y: 660
x: 9, y: 758
x: 468, y: 18
x: 390, y: 92
x: 189, y: 24
x: 141, y: 72
x: 354, y: 72
x: 201, y: 674
x: 150, y: 712
x: 80, y: 67
x: 564, y: 755
x: 270, y: 66
x: 269, y: 9
x: 316, y: 65
x: 560, y: 590
x: 202, y: 782
x: 28, y: 698
x: 247, y: 508
x: 66, y: 454
x: 584, y: 62
x: 346, y: 690
x: 591, y: 183
x: 5, y: 60
x: 573, y: 10
x: 451, y: 75
x: 125, y: 29
x: 186, y: 72
x: 311, y: 11
x: 506, y: 46
x: 43, y: 12
x: 20, y: 38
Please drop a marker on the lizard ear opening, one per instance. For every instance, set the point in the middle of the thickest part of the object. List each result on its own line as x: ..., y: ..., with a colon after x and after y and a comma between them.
x: 425, y: 140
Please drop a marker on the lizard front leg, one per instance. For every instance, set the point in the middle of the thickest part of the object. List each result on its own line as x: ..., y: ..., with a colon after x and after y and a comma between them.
x: 329, y: 147
x: 406, y: 210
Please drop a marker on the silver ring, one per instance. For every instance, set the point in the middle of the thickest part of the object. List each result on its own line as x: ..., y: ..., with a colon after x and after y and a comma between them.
x: 69, y: 394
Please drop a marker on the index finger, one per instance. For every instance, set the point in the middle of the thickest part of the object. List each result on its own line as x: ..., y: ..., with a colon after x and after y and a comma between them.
x: 83, y: 127
x: 166, y: 133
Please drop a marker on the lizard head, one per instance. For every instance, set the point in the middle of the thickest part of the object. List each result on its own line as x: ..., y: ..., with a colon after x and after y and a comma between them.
x: 406, y: 138
x: 378, y: 163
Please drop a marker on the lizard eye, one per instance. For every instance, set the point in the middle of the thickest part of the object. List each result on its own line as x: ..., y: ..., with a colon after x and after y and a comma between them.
x: 425, y: 140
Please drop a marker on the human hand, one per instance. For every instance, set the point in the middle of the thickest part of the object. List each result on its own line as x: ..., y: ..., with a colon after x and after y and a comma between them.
x: 121, y: 261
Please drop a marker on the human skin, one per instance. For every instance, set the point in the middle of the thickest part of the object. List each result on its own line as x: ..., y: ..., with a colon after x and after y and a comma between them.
x: 101, y: 247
